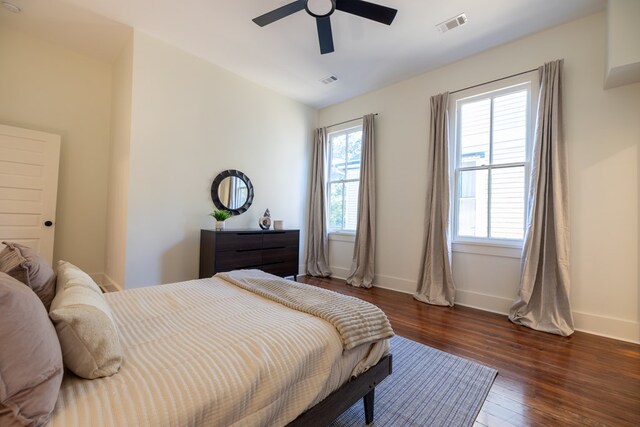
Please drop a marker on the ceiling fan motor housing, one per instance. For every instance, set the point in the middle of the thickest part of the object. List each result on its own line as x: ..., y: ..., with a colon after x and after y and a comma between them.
x: 320, y: 14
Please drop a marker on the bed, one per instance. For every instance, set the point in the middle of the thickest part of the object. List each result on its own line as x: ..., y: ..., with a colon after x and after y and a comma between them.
x: 208, y: 352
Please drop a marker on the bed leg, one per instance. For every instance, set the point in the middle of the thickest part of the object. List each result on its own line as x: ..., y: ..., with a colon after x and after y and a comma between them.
x: 369, y: 400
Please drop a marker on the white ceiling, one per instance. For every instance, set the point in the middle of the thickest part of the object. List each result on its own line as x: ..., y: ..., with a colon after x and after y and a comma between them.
x: 284, y: 56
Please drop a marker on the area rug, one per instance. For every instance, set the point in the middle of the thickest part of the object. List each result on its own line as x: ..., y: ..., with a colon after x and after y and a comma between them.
x: 428, y: 387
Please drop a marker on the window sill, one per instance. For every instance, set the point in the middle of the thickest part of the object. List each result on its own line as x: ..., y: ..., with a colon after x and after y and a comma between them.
x: 491, y: 249
x: 342, y: 236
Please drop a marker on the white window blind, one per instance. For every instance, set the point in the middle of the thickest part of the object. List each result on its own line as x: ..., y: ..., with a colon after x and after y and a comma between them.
x: 491, y: 165
x: 345, y: 152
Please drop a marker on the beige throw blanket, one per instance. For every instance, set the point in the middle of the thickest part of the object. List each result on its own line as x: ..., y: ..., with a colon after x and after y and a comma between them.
x: 358, y: 322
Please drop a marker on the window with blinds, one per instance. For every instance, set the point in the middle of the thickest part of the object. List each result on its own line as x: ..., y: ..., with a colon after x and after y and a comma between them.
x: 345, y: 152
x: 491, y: 165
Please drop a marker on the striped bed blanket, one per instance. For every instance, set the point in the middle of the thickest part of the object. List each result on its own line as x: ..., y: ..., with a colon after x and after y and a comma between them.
x: 358, y: 322
x: 208, y: 353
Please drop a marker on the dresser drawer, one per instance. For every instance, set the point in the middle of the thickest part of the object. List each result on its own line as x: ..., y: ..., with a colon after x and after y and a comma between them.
x: 275, y: 252
x: 270, y: 256
x: 231, y: 241
x: 234, y: 260
x: 280, y: 239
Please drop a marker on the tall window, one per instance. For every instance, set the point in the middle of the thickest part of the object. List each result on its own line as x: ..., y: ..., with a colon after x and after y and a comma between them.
x: 345, y: 153
x: 491, y: 165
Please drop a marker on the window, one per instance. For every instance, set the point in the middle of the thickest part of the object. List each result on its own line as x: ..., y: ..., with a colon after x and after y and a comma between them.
x: 491, y: 155
x: 345, y: 152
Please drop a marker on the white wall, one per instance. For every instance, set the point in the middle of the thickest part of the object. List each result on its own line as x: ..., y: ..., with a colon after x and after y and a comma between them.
x: 190, y: 121
x: 623, y: 42
x: 53, y: 89
x: 117, y: 205
x: 603, y: 133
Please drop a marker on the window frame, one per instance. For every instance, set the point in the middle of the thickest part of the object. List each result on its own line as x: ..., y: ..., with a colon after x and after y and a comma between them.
x: 345, y: 129
x: 488, y: 245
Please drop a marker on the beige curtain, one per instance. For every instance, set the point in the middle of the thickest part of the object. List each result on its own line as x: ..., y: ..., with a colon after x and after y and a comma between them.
x: 317, y: 262
x: 543, y: 299
x: 435, y: 285
x: 362, y: 267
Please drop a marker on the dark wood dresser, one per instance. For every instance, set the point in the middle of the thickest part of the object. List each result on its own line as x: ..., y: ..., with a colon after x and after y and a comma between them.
x: 272, y: 251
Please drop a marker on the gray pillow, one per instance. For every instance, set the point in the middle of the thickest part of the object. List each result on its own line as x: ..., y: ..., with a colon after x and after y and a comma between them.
x: 86, y: 330
x: 27, y: 266
x: 30, y: 357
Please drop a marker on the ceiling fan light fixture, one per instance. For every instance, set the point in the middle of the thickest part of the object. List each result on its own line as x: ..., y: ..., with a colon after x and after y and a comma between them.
x: 320, y: 8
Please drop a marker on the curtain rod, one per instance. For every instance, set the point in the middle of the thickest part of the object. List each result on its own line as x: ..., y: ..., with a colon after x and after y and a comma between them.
x: 493, y: 81
x: 347, y: 121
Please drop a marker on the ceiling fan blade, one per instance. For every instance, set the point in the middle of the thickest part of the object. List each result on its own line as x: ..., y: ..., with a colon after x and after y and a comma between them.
x: 279, y: 13
x: 364, y: 9
x: 325, y: 36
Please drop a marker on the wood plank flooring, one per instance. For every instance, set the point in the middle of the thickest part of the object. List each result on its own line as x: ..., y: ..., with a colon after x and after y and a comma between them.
x: 544, y: 379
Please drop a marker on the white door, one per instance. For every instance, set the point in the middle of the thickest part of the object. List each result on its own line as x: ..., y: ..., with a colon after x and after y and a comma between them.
x: 28, y: 187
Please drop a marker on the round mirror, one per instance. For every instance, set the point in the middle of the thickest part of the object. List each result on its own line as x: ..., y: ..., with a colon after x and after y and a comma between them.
x: 232, y: 190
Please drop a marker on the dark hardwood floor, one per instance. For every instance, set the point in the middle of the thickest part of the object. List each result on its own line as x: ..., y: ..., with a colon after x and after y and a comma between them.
x: 543, y: 380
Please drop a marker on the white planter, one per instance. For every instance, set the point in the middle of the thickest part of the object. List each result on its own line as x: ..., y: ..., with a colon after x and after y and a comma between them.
x: 219, y: 225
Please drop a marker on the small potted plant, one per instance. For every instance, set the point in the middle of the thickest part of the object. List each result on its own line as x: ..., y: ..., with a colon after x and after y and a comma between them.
x: 221, y: 216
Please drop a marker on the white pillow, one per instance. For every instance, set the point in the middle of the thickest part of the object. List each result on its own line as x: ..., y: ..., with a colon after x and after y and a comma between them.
x: 84, y: 324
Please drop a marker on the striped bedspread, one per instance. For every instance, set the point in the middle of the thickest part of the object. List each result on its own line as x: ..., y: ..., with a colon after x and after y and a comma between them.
x: 358, y: 322
x: 207, y: 353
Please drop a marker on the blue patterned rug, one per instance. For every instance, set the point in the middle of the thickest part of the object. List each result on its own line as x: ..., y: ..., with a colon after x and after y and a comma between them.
x: 428, y: 387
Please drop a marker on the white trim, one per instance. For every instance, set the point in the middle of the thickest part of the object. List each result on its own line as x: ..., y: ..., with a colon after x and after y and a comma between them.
x: 528, y: 81
x: 342, y: 236
x: 339, y: 272
x: 619, y: 329
x: 484, y: 302
x: 610, y: 327
x: 104, y: 280
x: 489, y: 249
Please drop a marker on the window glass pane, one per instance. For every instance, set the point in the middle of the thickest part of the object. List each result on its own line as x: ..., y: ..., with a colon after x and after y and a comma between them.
x: 338, y: 157
x: 472, y: 203
x: 336, y: 198
x: 354, y: 154
x: 507, y: 203
x: 351, y: 205
x: 510, y: 127
x: 474, y: 133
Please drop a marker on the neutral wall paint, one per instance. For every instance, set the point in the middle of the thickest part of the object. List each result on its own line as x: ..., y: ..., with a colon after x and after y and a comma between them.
x: 117, y: 205
x: 190, y: 121
x: 52, y: 89
x: 603, y: 133
x: 623, y: 46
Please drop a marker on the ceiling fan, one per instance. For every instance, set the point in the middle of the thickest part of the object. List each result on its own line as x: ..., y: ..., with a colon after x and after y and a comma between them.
x: 322, y: 11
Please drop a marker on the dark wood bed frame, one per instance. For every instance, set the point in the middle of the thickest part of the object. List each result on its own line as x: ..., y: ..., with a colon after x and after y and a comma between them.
x: 363, y: 386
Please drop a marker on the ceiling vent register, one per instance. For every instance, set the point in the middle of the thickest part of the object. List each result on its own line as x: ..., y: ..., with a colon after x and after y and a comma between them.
x: 452, y: 23
x: 329, y: 79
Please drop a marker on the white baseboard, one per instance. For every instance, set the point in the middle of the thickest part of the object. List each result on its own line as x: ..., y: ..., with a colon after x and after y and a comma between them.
x: 486, y: 302
x: 609, y: 327
x: 105, y: 281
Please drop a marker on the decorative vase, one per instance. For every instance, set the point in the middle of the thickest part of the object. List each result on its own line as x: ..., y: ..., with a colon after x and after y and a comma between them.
x: 219, y: 225
x: 265, y: 220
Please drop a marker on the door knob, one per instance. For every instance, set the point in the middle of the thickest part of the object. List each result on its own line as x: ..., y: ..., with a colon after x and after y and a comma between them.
x: 48, y: 223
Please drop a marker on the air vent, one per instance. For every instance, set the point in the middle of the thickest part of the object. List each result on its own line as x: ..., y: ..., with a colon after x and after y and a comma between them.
x: 329, y: 79
x: 452, y: 23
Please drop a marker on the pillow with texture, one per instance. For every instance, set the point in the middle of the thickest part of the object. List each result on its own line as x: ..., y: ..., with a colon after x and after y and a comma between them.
x: 27, y: 266
x: 86, y: 330
x: 31, y: 367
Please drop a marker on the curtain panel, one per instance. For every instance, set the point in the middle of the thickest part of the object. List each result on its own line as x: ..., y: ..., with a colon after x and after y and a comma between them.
x: 543, y: 298
x: 362, y: 266
x: 435, y: 283
x: 317, y: 259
